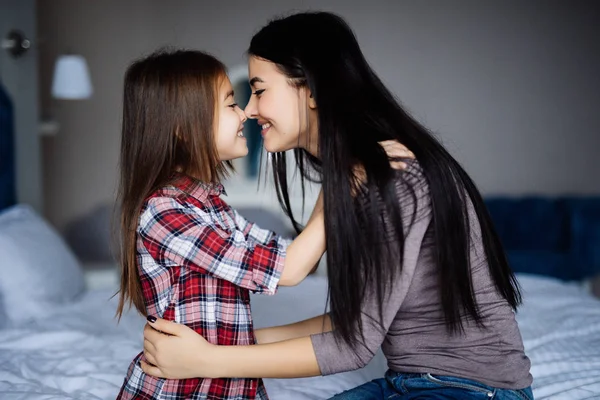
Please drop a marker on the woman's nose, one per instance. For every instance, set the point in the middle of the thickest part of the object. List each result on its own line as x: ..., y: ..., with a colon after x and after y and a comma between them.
x: 250, y: 109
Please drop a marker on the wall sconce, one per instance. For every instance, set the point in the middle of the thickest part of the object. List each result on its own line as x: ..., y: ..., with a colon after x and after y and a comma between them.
x: 71, y: 81
x: 15, y: 43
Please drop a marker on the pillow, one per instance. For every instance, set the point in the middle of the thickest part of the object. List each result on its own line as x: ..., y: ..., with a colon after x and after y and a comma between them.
x: 3, y: 316
x: 37, y: 269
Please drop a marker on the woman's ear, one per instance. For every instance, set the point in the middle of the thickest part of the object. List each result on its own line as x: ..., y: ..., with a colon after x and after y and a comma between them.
x: 311, y: 101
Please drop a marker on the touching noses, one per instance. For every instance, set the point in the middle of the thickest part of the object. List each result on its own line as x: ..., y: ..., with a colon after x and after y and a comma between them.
x: 241, y: 114
x: 250, y: 110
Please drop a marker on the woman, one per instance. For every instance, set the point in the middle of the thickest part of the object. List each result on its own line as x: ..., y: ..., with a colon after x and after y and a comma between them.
x: 414, y: 264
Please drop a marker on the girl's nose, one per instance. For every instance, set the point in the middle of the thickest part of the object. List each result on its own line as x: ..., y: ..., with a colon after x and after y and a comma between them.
x: 241, y: 114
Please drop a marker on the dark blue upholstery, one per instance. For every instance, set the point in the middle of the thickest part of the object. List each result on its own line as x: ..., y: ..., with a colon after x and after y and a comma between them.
x: 558, y: 237
x: 7, y: 167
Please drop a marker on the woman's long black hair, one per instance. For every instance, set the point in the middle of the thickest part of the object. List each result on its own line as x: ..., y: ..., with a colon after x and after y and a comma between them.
x: 355, y: 112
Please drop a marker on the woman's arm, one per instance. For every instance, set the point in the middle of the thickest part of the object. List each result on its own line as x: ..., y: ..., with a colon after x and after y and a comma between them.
x: 319, y: 324
x: 175, y: 351
x: 294, y: 358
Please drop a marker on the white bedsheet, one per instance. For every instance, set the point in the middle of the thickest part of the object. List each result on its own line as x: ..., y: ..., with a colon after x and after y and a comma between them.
x: 79, y: 352
x: 560, y: 325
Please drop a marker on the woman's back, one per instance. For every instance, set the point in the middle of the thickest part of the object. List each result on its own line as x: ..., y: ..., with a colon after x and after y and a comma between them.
x: 418, y: 341
x: 413, y: 333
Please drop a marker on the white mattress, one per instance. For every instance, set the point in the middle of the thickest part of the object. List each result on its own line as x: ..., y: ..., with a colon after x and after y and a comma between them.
x: 79, y: 352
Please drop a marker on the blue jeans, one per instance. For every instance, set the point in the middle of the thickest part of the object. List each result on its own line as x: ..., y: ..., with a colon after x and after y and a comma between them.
x: 399, y: 386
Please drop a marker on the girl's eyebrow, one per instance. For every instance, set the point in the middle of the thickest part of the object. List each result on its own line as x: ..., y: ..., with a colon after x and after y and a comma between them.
x: 230, y: 94
x: 255, y: 80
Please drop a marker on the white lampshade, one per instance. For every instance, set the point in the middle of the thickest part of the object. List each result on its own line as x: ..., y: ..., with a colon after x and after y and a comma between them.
x: 71, y: 78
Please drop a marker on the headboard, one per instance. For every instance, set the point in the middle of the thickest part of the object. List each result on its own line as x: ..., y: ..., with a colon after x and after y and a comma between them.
x: 553, y: 236
x: 7, y: 158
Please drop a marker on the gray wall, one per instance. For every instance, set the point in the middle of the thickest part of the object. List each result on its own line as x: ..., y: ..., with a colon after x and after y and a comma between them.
x: 20, y: 77
x: 512, y: 87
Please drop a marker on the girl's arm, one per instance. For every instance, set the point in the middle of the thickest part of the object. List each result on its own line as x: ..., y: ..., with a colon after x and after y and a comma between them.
x: 306, y: 250
x: 172, y: 232
x: 308, y: 327
x: 302, y: 255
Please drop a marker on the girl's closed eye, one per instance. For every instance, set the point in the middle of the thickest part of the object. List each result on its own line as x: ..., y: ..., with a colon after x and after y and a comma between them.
x: 234, y: 105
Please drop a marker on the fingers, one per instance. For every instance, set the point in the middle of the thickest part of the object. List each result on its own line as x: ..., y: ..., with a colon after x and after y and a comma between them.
x: 393, y: 143
x: 151, y: 370
x: 395, y: 149
x: 398, y: 165
x: 399, y: 153
x: 149, y: 353
x: 164, y: 326
x: 151, y: 334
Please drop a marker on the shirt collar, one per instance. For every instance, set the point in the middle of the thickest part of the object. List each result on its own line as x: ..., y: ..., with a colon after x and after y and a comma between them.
x: 197, y: 188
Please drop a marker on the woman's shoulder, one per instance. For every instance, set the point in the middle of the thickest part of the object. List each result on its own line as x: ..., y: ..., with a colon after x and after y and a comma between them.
x: 412, y: 174
x: 412, y: 181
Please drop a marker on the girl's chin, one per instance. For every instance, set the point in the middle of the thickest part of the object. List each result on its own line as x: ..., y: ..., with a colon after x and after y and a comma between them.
x: 244, y: 152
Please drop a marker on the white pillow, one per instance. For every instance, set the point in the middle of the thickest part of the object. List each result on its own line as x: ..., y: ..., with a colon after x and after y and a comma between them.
x: 3, y: 316
x: 37, y: 269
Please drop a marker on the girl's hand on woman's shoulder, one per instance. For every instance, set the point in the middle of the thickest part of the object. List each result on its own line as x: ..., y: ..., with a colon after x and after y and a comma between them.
x: 395, y: 151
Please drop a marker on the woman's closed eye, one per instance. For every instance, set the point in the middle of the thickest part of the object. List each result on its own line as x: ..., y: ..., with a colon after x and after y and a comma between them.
x: 258, y: 92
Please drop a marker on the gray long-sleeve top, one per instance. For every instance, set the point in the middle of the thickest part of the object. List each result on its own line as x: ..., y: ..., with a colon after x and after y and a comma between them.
x: 415, y: 339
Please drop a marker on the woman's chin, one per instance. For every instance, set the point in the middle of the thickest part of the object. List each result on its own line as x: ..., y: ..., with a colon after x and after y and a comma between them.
x: 275, y: 147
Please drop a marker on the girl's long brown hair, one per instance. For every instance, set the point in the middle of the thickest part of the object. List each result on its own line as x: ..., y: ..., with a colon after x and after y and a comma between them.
x: 169, y: 113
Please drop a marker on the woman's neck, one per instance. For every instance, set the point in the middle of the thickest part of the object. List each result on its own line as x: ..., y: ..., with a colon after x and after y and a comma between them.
x: 312, y: 143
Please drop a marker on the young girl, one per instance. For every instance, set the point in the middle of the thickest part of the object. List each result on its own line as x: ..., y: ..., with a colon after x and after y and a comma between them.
x: 186, y: 255
x: 414, y: 264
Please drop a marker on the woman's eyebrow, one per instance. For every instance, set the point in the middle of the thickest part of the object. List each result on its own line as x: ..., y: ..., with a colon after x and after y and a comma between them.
x: 255, y: 80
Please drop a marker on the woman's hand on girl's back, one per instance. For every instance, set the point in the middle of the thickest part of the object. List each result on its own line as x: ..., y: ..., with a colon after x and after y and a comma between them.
x: 175, y: 351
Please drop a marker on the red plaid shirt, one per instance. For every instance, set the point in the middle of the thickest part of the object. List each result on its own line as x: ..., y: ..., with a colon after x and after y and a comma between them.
x: 197, y: 260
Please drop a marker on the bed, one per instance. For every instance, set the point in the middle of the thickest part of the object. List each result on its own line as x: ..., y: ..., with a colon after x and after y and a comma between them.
x: 78, y: 351
x: 59, y: 338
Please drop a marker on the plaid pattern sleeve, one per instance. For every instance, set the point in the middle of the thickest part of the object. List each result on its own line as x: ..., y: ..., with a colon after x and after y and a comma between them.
x: 177, y: 234
x: 253, y: 232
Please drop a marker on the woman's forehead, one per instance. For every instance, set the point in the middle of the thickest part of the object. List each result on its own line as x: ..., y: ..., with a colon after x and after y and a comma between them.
x: 259, y: 69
